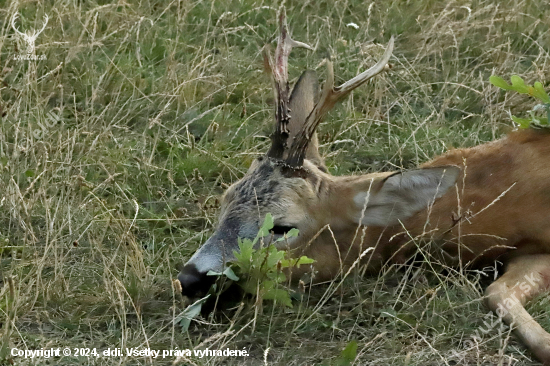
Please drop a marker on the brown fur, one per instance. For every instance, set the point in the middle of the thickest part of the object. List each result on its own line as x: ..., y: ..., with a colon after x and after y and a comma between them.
x: 477, y: 205
x: 498, y: 210
x: 494, y: 206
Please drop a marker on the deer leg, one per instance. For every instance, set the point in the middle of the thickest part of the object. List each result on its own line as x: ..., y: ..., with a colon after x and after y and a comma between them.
x: 525, y: 277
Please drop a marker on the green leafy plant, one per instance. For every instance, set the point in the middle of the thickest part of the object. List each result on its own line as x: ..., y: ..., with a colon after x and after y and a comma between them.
x: 346, y: 357
x: 536, y: 91
x: 191, y: 312
x: 348, y: 354
x: 259, y: 271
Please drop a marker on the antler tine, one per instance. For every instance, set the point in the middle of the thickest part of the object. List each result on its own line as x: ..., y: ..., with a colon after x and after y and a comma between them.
x: 279, y: 71
x: 46, y: 18
x: 13, y: 19
x: 329, y: 97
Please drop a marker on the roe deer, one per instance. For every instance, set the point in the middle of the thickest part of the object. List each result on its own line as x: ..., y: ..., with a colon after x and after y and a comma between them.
x: 476, y: 205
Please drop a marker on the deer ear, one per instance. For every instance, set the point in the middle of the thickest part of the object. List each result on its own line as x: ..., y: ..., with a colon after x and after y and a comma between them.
x: 403, y: 194
x: 305, y: 95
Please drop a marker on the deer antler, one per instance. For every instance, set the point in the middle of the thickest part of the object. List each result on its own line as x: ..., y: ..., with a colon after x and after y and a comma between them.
x: 46, y: 18
x: 281, y: 88
x: 329, y: 97
x: 13, y: 19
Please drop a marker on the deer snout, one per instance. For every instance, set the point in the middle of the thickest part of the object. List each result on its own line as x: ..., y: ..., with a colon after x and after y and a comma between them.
x: 193, y: 282
x: 211, y: 256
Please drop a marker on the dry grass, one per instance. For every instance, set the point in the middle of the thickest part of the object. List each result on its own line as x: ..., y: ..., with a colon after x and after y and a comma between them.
x: 162, y: 105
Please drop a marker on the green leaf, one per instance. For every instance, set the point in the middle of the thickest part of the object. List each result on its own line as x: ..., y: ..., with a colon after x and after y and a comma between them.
x: 246, y: 248
x: 278, y: 277
x: 539, y: 93
x: 249, y: 286
x: 265, y: 228
x: 542, y: 121
x: 292, y: 233
x: 304, y: 260
x: 348, y: 355
x: 280, y: 295
x: 296, y: 261
x: 522, y: 122
x: 519, y: 85
x: 244, y: 256
x: 228, y: 272
x: 190, y: 313
x: 29, y: 173
x: 499, y: 82
x: 274, y: 256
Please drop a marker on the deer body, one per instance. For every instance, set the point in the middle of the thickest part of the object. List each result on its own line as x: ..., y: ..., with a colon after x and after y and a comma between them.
x: 495, y: 211
x: 473, y: 206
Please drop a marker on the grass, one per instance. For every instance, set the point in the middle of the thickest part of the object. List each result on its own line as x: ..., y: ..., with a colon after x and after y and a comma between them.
x: 162, y: 105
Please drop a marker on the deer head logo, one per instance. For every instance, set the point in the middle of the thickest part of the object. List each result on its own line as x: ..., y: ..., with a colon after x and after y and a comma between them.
x: 30, y: 36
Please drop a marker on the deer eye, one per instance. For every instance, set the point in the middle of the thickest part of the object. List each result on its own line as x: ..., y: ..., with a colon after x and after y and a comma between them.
x: 281, y: 230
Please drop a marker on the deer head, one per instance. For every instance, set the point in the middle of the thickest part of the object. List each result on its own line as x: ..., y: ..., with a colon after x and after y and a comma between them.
x: 292, y: 184
x: 30, y: 36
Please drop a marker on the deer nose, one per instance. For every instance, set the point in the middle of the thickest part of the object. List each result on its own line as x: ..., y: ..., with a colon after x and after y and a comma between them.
x: 194, y: 283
